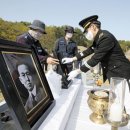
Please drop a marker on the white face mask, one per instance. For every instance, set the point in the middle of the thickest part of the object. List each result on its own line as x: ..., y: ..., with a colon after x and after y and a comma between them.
x: 35, y: 34
x: 89, y: 35
x: 69, y: 35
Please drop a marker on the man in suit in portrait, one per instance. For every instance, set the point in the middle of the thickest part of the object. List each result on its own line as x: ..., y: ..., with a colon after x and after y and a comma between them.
x: 26, y: 77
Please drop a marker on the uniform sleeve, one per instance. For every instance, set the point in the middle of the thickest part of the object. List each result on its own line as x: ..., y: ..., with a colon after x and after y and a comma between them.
x: 85, y: 53
x: 83, y: 68
x: 105, y: 46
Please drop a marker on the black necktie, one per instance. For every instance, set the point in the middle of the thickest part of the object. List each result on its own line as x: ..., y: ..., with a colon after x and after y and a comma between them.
x: 33, y: 100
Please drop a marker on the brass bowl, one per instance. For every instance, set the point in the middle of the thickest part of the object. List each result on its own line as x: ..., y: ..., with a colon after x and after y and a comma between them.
x: 98, y: 104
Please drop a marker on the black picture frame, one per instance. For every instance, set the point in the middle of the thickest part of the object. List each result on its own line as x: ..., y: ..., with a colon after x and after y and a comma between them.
x: 15, y: 93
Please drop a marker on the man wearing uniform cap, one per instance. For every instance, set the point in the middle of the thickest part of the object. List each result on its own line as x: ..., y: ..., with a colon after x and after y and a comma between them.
x: 65, y: 47
x: 106, y: 50
x: 31, y: 38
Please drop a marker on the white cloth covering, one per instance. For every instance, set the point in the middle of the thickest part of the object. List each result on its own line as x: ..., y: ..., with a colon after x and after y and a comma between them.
x: 54, y: 81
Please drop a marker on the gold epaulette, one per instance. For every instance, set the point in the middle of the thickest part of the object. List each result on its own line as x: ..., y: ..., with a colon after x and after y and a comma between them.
x: 101, y: 34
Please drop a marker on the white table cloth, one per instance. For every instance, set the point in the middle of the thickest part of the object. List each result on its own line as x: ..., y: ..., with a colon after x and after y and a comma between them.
x: 58, y: 117
x: 79, y: 118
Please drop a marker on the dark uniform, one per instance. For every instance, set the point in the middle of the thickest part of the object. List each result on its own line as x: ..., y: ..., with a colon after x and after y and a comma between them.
x: 107, y: 50
x: 63, y: 49
x: 27, y: 39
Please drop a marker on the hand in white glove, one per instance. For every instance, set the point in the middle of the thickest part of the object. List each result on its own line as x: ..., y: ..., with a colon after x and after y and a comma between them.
x: 73, y: 74
x: 67, y: 60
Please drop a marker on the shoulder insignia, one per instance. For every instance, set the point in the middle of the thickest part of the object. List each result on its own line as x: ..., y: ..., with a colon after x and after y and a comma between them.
x: 101, y: 34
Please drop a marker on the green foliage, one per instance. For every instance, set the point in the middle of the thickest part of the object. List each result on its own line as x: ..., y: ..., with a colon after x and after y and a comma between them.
x: 80, y: 38
x: 48, y: 39
x: 53, y: 33
x: 10, y: 30
x: 125, y: 45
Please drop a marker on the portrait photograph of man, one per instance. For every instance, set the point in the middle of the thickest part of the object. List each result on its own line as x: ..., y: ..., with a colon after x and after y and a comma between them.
x: 26, y: 79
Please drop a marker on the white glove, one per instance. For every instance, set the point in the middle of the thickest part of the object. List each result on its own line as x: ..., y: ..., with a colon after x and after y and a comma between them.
x: 67, y: 60
x: 73, y: 74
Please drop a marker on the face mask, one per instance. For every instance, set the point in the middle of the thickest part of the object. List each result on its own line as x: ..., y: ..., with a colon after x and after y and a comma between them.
x: 69, y: 35
x: 89, y: 35
x: 35, y: 34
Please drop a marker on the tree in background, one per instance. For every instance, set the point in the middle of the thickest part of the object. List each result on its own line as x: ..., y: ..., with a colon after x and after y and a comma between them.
x: 125, y: 45
x: 10, y: 30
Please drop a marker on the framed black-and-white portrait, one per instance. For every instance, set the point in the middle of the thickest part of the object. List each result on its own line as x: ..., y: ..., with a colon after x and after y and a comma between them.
x: 23, y: 82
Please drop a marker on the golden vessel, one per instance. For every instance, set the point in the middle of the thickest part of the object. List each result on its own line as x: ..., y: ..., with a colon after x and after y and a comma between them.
x: 98, y: 103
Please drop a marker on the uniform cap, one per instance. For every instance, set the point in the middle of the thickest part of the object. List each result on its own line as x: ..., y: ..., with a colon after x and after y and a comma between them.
x: 69, y: 29
x: 87, y: 21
